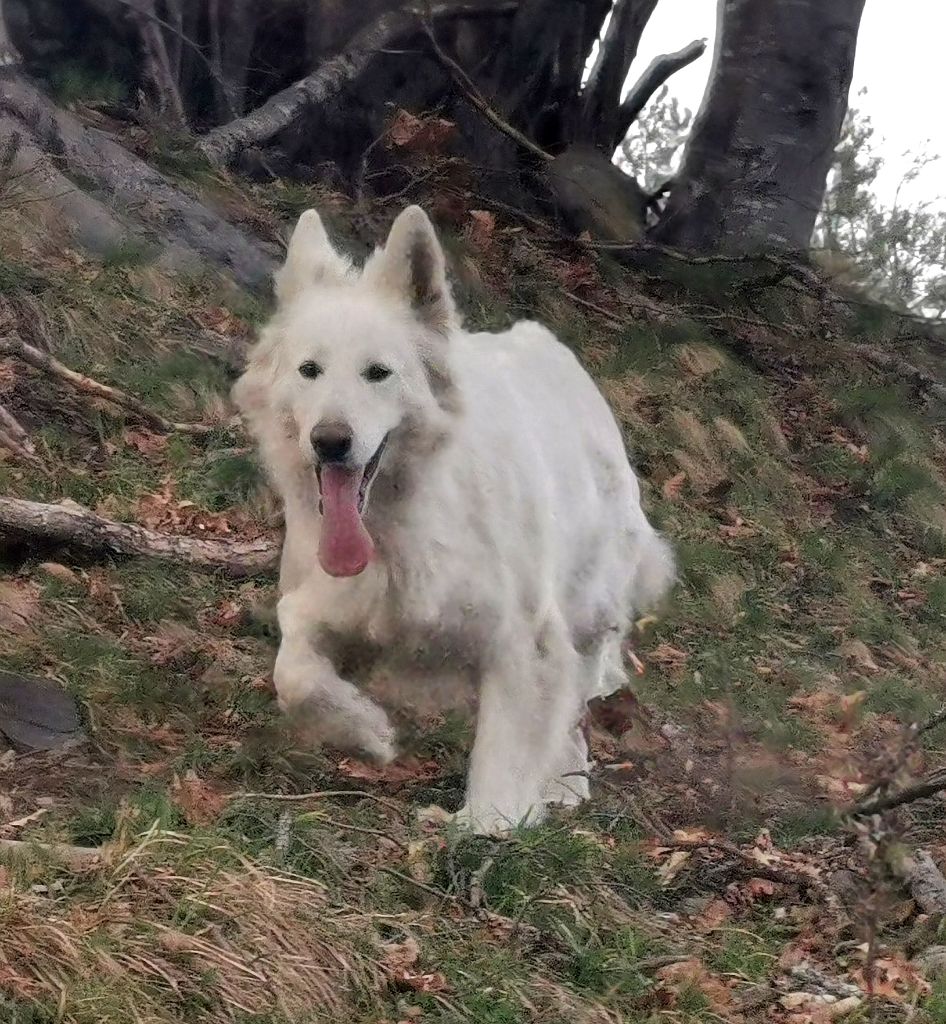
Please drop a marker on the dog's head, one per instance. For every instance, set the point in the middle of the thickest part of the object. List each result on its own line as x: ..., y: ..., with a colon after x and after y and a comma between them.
x: 353, y: 368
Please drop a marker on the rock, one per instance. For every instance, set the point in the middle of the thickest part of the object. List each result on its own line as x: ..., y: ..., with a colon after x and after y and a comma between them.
x: 37, y: 714
x: 594, y: 195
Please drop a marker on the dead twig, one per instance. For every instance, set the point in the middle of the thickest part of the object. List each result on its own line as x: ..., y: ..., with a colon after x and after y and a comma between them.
x: 468, y: 87
x: 73, y: 524
x: 10, y: 346
x: 930, y: 786
x: 322, y: 794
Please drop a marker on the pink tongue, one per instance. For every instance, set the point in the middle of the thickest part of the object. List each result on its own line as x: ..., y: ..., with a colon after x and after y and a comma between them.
x: 344, y: 545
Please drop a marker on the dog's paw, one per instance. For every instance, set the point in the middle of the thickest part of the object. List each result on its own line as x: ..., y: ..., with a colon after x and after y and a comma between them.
x: 356, y: 727
x: 492, y: 821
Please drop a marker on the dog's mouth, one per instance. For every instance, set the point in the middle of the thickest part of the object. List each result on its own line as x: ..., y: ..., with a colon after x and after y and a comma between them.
x: 367, y: 477
x: 345, y: 547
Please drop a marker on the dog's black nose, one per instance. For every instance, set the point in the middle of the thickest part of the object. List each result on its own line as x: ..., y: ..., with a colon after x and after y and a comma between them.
x: 331, y: 442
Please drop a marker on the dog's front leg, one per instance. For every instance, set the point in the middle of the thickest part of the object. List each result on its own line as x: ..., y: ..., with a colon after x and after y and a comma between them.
x: 308, y: 688
x: 526, y: 715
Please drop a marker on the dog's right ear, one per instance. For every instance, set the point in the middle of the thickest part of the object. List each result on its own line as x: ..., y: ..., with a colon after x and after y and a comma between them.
x: 310, y: 258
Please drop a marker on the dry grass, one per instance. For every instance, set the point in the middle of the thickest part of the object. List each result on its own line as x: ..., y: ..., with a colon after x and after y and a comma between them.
x: 168, y: 923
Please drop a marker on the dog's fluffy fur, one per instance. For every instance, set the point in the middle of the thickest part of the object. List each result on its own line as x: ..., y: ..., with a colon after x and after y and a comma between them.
x: 510, y: 548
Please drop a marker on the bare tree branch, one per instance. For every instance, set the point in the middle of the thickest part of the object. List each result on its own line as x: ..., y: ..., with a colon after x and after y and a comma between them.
x: 602, y: 92
x: 72, y: 524
x: 654, y: 76
x: 48, y: 364
x: 283, y: 109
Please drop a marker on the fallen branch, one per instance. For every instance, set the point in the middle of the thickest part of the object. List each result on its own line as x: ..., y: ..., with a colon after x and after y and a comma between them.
x: 926, y: 882
x: 892, y: 363
x: 153, y: 210
x: 72, y: 524
x: 282, y: 110
x: 930, y: 786
x: 48, y: 364
x: 654, y: 76
x: 72, y: 856
x: 472, y: 93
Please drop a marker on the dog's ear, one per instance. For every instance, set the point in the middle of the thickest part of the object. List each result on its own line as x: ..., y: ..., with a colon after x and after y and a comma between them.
x: 310, y: 258
x: 412, y: 265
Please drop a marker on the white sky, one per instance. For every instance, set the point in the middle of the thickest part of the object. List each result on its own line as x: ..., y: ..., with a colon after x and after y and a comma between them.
x: 899, y: 61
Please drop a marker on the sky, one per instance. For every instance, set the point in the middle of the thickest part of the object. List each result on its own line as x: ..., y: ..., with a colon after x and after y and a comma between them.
x: 899, y: 61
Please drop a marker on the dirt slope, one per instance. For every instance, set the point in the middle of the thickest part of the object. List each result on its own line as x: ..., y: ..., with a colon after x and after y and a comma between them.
x: 710, y: 878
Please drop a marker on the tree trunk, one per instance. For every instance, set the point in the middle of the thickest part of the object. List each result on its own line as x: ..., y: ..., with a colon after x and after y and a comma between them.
x: 754, y: 171
x: 602, y: 93
x: 121, y: 195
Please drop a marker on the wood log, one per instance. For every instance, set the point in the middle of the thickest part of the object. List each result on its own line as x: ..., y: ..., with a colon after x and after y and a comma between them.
x: 73, y: 524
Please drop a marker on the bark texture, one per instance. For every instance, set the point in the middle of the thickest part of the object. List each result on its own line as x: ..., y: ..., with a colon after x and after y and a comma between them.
x: 72, y: 524
x: 754, y: 171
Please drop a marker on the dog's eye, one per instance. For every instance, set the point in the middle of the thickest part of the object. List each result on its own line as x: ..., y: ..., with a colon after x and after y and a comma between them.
x: 376, y: 372
x: 310, y: 370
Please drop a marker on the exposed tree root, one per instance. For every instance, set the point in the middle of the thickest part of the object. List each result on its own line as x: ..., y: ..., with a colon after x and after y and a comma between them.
x: 43, y: 361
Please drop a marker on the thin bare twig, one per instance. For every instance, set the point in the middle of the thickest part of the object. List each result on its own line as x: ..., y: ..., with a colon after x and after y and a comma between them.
x: 322, y: 794
x: 10, y: 346
x: 473, y: 94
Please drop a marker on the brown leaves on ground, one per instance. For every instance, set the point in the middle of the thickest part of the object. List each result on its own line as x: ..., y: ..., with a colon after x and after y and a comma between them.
x: 19, y: 605
x: 151, y: 445
x: 482, y: 230
x: 400, y: 964
x: 672, y: 487
x: 165, y: 512
x: 427, y: 135
x: 689, y: 975
x: 893, y: 978
x: 404, y: 772
x: 198, y: 801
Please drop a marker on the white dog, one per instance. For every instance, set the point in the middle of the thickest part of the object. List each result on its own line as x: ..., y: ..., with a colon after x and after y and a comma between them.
x: 455, y: 503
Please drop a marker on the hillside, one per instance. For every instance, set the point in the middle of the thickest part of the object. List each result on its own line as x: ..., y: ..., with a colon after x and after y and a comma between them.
x: 226, y: 875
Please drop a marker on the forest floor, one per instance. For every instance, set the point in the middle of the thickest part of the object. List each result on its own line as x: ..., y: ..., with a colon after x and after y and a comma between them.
x: 235, y: 877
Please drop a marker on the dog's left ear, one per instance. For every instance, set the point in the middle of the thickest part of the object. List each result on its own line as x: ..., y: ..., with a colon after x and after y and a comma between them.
x: 412, y: 265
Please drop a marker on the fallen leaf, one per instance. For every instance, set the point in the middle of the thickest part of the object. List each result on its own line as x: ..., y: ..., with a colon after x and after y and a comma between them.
x: 399, y: 956
x: 716, y: 913
x: 671, y: 488
x: 146, y: 443
x: 398, y: 773
x: 59, y: 572
x: 199, y: 803
x: 482, y: 227
x: 690, y: 974
x: 858, y: 653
